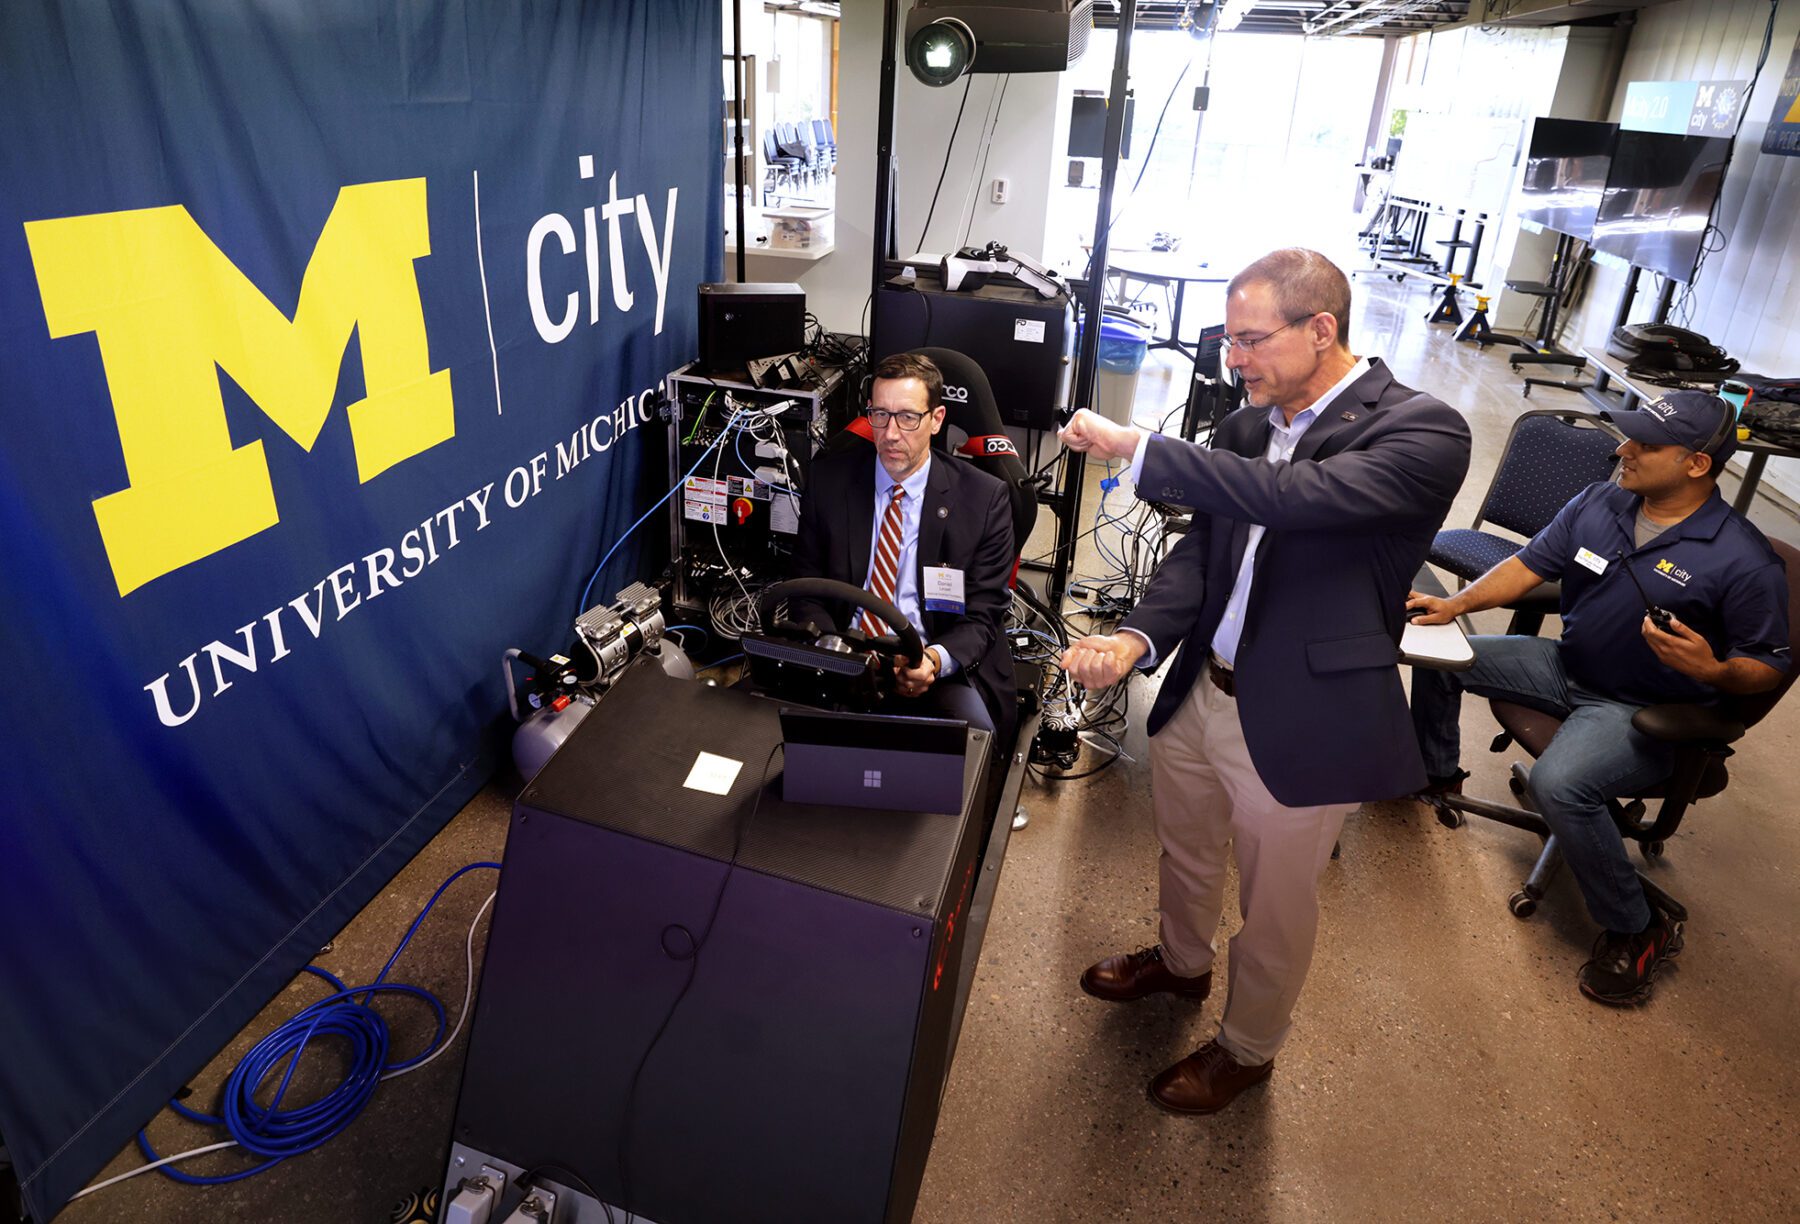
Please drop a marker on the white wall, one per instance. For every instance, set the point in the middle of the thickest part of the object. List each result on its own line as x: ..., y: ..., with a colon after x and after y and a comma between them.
x: 1748, y: 295
x: 837, y: 286
x: 1582, y: 90
x: 1021, y: 151
x: 1487, y: 83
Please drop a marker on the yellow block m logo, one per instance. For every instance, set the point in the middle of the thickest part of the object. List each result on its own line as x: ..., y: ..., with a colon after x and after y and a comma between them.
x: 168, y: 307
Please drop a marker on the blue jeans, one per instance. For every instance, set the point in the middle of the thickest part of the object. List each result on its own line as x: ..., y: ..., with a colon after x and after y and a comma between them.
x: 1596, y: 756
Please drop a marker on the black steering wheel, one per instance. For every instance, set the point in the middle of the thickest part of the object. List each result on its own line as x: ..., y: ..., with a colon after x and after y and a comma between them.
x: 903, y: 642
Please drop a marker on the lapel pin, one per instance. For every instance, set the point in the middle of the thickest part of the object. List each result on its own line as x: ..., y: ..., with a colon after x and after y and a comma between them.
x: 1349, y: 416
x: 943, y: 512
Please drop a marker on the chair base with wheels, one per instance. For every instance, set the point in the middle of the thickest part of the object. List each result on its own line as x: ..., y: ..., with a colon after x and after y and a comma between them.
x: 1701, y: 736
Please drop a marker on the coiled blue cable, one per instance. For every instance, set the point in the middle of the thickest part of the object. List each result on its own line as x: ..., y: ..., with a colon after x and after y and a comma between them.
x: 276, y: 1133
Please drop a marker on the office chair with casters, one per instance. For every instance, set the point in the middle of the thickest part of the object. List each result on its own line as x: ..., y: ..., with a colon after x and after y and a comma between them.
x: 1702, y: 736
x: 1551, y: 455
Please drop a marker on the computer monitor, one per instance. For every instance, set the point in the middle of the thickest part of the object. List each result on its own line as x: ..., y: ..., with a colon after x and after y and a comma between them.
x: 1659, y: 196
x: 1087, y: 126
x: 1565, y: 174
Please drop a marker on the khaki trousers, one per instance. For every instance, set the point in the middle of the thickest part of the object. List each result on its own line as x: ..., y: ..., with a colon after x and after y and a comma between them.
x: 1207, y: 796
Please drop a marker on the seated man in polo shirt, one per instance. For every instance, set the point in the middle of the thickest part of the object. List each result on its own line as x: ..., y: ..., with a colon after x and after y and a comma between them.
x: 1726, y: 591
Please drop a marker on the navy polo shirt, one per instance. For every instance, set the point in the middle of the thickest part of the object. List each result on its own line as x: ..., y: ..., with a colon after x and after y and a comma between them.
x: 1713, y: 570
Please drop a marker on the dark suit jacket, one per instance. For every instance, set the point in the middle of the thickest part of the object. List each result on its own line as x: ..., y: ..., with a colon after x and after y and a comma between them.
x: 965, y: 523
x: 1348, y: 521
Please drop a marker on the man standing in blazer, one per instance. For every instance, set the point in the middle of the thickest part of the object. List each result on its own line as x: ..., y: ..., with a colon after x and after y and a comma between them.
x: 929, y: 533
x: 1283, y: 608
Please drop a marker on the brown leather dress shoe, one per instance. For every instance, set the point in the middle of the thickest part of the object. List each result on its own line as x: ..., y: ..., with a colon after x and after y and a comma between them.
x: 1206, y: 1081
x: 1133, y: 975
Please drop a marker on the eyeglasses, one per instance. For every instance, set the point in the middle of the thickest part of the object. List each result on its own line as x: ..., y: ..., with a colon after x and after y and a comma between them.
x: 1228, y: 343
x: 909, y: 421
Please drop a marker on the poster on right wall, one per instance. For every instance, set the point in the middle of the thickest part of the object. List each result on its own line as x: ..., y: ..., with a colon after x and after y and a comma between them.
x: 1783, y: 135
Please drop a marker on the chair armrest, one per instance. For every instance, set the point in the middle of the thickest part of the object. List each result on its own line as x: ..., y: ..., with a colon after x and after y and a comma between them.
x: 1686, y: 723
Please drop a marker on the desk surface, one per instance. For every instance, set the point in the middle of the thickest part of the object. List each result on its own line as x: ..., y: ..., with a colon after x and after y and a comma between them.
x: 1443, y: 647
x: 1614, y: 369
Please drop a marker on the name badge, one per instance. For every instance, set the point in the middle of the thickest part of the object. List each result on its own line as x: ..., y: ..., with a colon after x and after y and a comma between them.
x: 943, y: 589
x: 1591, y: 560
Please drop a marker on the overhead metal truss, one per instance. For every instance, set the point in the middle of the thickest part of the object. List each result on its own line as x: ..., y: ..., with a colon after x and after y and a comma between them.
x: 1336, y: 18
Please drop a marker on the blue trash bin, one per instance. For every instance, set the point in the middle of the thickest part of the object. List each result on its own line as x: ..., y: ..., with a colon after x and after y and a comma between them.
x: 1123, y: 343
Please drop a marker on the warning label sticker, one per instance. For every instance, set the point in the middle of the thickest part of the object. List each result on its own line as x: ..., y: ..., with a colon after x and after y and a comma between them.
x: 703, y: 499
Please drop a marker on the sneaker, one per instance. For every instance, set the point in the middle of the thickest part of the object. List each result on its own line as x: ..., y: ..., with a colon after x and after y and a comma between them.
x: 1623, y: 966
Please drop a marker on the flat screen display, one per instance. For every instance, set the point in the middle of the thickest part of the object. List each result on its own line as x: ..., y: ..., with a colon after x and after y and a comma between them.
x: 1087, y: 126
x: 1659, y: 194
x: 1565, y: 174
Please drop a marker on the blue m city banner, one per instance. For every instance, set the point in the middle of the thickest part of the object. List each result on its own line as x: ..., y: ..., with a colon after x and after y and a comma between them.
x: 329, y: 335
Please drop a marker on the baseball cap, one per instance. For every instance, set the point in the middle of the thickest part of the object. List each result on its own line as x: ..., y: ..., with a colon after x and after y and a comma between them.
x: 1689, y: 419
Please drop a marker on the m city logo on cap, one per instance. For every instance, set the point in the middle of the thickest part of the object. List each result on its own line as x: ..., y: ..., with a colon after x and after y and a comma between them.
x: 1661, y: 407
x: 1674, y: 573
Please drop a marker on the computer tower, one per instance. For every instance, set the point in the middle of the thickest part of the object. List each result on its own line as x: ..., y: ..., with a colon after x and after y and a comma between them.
x: 1023, y: 342
x: 741, y: 322
x: 803, y: 1051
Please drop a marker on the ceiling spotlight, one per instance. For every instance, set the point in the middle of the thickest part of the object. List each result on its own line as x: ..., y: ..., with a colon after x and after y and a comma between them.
x: 941, y: 51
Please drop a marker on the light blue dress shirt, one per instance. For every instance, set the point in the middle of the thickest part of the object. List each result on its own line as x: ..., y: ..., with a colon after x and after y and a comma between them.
x: 1283, y: 438
x: 906, y: 579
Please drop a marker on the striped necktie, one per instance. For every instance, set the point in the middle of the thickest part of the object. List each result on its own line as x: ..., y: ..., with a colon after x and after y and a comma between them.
x: 884, y: 575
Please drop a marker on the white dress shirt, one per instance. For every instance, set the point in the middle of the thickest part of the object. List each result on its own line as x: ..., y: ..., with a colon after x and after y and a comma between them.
x: 1283, y: 438
x: 906, y: 579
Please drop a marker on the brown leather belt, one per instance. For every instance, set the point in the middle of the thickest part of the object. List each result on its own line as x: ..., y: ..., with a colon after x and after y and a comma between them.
x: 1222, y: 676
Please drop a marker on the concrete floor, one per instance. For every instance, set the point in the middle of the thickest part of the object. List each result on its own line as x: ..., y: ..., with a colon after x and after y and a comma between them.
x: 1442, y: 1065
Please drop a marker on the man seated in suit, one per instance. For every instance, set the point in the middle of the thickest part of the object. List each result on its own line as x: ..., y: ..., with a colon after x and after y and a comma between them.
x: 930, y: 534
x: 1283, y: 608
x: 1662, y: 531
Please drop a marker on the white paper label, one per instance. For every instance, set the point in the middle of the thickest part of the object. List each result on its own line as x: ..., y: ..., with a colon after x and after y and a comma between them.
x: 784, y: 513
x: 713, y: 774
x: 943, y: 589
x: 703, y: 500
x: 1591, y: 560
x: 1030, y: 330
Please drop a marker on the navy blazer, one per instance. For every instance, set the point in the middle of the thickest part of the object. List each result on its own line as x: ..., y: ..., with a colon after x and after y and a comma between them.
x: 965, y: 523
x: 1348, y: 523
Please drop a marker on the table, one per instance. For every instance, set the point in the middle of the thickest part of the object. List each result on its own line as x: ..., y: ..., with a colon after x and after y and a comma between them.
x: 1403, y: 215
x: 1612, y: 369
x: 1440, y: 647
x: 1166, y: 268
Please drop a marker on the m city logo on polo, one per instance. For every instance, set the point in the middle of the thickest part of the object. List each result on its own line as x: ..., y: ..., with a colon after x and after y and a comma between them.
x: 872, y: 778
x: 1674, y: 573
x: 171, y: 310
